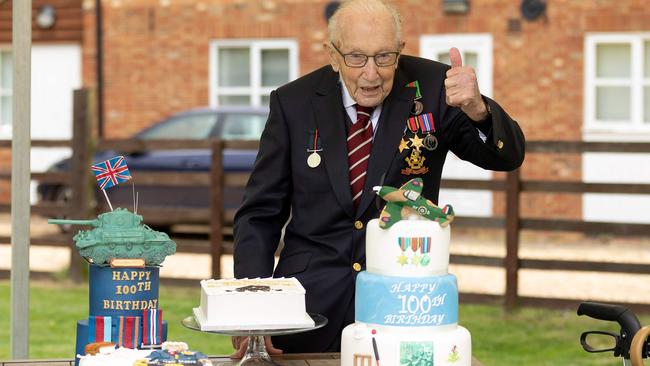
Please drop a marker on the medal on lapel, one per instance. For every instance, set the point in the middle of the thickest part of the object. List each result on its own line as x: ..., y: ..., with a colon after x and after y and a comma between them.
x: 428, y: 126
x: 314, y: 143
x: 418, y: 107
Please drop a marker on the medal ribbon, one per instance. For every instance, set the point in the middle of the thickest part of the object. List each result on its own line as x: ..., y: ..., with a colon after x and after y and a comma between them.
x: 426, y: 122
x: 426, y: 245
x: 314, y: 145
x: 415, y: 84
x: 402, y: 243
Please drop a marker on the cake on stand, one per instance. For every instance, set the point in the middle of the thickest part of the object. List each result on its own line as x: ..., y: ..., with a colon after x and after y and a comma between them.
x: 256, y: 352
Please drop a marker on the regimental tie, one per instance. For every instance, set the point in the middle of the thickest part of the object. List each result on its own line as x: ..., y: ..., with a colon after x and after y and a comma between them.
x: 359, y: 146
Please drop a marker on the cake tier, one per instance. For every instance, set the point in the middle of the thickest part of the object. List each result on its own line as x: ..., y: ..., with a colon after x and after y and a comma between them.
x: 365, y: 344
x: 409, y: 248
x: 122, y: 291
x: 82, y: 335
x: 406, y: 301
x: 268, y: 303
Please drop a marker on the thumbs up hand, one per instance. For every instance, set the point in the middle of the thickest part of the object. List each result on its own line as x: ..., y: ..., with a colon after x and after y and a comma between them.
x: 461, y: 88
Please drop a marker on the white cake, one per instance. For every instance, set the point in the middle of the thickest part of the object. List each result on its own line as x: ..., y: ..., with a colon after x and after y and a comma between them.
x: 252, y: 304
x: 406, y: 304
x: 111, y: 356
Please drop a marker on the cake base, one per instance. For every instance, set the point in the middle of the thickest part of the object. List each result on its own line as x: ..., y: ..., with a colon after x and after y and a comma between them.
x: 448, y: 345
x: 238, y: 325
x: 82, y: 336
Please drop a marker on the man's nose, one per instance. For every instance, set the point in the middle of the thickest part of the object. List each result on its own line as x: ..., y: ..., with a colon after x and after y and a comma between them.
x: 371, y: 70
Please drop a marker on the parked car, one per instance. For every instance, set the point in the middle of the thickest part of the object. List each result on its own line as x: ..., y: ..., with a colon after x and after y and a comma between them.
x: 227, y: 123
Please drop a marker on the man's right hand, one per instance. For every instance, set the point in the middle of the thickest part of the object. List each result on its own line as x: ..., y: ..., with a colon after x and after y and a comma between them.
x: 241, y: 343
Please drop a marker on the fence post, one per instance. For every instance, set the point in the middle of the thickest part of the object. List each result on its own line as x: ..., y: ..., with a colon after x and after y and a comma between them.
x: 216, y: 207
x: 80, y: 167
x: 513, y: 190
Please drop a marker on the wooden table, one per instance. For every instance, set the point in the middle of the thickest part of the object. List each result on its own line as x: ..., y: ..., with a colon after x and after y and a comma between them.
x: 306, y: 359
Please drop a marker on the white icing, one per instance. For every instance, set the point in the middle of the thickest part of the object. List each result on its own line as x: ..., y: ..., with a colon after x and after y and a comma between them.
x: 383, y: 249
x: 223, y: 307
x: 110, y: 356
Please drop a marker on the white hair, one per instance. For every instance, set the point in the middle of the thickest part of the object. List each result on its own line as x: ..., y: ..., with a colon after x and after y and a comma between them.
x: 366, y: 6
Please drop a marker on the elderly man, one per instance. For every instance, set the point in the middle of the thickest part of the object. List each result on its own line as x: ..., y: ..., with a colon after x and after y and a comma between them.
x: 335, y: 133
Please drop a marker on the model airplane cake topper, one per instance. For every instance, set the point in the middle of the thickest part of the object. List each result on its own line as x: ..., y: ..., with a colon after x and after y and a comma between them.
x: 406, y: 201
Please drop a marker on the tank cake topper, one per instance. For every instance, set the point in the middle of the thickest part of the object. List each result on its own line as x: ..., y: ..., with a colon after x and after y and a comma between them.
x: 407, y: 201
x: 119, y: 237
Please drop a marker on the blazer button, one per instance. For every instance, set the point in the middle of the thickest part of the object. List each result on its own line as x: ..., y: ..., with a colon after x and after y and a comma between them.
x: 358, y: 225
x: 499, y: 144
x: 356, y: 266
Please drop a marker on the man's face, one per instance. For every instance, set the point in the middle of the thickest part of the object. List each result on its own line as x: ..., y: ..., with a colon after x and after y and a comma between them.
x: 368, y: 85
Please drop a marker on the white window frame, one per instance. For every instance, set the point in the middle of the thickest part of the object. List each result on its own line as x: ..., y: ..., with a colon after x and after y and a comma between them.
x: 481, y: 43
x: 256, y: 91
x: 5, y: 126
x: 635, y: 128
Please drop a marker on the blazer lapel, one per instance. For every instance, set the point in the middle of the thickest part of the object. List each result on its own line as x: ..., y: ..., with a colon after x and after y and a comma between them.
x: 394, y: 113
x: 331, y: 127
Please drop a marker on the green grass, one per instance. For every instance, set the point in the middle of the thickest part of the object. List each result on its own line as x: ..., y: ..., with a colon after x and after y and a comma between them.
x: 528, y: 336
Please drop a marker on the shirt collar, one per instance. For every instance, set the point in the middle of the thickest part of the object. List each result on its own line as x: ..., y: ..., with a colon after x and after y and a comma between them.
x: 347, y: 98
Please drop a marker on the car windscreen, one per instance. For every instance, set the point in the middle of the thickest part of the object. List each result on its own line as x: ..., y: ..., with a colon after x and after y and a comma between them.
x: 242, y: 126
x: 190, y: 127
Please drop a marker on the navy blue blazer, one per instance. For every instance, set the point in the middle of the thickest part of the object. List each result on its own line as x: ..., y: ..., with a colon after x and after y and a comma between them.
x: 322, y: 239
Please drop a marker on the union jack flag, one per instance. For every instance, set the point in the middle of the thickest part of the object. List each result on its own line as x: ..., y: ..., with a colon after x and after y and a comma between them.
x: 111, y: 172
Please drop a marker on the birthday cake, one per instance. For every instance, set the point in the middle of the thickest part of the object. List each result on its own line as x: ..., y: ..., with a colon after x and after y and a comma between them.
x: 262, y: 303
x: 406, y: 304
x: 124, y: 257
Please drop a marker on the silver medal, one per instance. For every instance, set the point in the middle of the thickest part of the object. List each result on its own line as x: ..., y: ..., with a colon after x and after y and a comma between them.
x: 313, y: 160
x: 430, y: 142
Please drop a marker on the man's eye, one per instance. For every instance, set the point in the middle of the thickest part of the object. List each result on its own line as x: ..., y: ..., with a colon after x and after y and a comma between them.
x: 357, y: 57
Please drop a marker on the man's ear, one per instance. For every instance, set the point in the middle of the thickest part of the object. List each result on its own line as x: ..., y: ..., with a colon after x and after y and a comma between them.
x: 331, y: 54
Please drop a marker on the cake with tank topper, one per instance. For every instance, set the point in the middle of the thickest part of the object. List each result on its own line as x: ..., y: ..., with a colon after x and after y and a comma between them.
x: 124, y: 257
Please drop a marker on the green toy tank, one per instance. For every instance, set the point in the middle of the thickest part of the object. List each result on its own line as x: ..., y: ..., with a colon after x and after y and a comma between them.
x: 120, y: 234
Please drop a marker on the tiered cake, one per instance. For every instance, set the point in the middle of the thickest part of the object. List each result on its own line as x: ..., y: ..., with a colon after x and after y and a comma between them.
x: 261, y: 303
x: 406, y: 305
x: 124, y: 258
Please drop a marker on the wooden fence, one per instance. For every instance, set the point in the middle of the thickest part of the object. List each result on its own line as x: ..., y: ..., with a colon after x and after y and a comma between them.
x: 220, y: 222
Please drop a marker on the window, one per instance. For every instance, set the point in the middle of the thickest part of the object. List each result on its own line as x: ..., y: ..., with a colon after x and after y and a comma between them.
x: 475, y: 49
x: 242, y: 126
x: 617, y: 85
x: 244, y: 72
x: 190, y: 127
x: 6, y: 82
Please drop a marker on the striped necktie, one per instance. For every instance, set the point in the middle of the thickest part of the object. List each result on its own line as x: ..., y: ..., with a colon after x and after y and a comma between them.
x: 359, y: 146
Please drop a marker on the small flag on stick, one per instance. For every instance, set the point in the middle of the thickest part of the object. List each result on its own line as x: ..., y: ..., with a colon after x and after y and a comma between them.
x: 110, y: 173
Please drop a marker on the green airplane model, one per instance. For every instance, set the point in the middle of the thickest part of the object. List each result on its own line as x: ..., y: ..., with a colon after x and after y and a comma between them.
x: 406, y: 201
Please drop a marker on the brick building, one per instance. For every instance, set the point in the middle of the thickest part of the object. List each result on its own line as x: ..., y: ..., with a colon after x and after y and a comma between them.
x: 579, y: 71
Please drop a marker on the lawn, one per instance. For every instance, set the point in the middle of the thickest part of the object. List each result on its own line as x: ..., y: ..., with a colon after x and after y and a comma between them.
x: 528, y: 336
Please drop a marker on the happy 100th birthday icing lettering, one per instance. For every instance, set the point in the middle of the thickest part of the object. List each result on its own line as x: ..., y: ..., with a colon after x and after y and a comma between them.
x: 129, y: 283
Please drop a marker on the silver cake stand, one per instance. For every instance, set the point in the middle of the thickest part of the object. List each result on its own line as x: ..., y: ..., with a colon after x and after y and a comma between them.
x: 256, y: 353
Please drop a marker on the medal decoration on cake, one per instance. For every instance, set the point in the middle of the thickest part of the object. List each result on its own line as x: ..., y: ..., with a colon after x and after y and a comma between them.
x: 99, y: 329
x: 421, y: 244
x: 151, y: 328
x: 407, y: 201
x: 126, y: 331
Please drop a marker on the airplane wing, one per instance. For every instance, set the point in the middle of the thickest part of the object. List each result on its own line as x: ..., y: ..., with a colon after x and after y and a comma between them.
x: 414, y: 185
x: 390, y: 215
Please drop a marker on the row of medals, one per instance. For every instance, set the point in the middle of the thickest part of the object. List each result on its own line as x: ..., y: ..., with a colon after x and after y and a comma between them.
x: 430, y: 143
